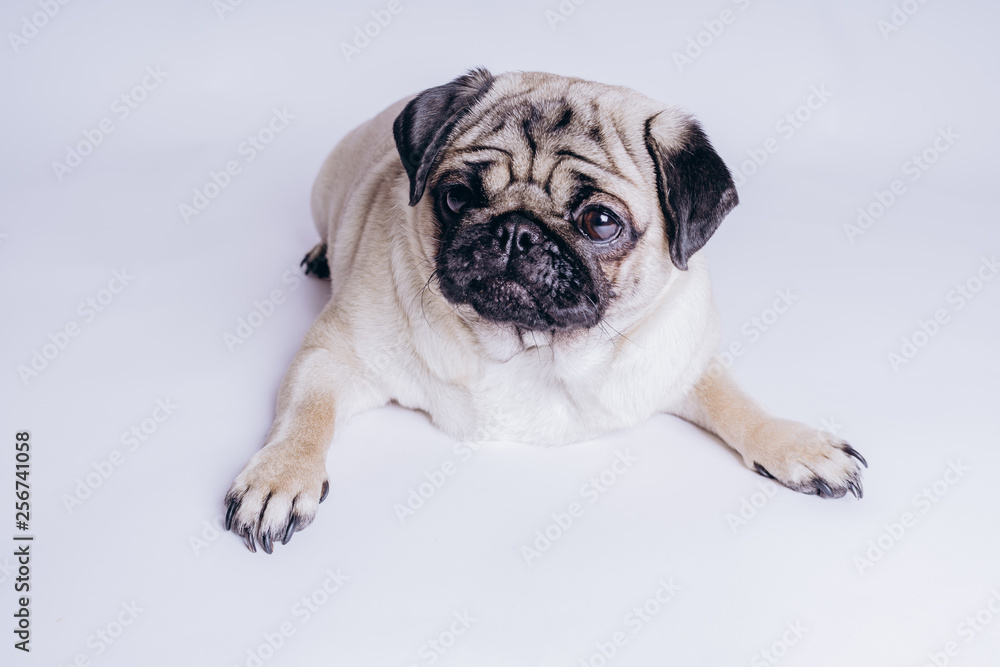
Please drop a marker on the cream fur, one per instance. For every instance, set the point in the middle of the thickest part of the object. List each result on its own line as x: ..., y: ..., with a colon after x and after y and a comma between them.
x: 387, y: 335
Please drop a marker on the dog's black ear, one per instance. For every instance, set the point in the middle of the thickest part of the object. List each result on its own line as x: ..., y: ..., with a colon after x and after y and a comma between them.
x: 695, y: 188
x: 422, y: 129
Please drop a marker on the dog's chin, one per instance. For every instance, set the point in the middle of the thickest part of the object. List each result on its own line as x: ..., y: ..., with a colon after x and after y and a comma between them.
x: 504, y: 301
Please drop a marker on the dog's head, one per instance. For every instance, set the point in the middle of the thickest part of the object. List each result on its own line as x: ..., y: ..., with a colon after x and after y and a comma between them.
x: 552, y: 201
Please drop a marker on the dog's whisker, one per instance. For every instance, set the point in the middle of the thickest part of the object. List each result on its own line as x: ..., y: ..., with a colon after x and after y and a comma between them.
x: 534, y: 343
x: 423, y: 310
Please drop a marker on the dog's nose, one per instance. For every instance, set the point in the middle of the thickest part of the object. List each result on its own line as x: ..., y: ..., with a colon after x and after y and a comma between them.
x: 518, y: 234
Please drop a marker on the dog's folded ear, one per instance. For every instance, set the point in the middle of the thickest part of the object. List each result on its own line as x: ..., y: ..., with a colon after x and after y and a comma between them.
x: 695, y: 187
x: 422, y: 129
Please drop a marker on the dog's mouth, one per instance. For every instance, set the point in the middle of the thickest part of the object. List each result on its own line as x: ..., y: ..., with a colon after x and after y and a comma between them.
x: 503, y: 299
x: 543, y: 289
x: 502, y: 289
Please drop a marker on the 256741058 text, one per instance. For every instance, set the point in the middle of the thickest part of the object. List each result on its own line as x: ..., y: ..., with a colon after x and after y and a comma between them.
x: 22, y: 542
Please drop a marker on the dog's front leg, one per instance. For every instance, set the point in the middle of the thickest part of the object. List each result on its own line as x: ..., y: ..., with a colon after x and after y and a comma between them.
x: 281, y: 487
x: 800, y: 457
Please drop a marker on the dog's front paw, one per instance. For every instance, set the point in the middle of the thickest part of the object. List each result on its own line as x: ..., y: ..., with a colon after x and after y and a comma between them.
x: 805, y: 459
x: 277, y: 493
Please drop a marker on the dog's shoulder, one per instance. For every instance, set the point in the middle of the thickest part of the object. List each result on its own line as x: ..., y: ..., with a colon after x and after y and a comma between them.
x: 349, y: 164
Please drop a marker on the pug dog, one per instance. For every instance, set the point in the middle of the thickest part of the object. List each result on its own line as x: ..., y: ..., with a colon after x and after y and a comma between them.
x: 517, y: 256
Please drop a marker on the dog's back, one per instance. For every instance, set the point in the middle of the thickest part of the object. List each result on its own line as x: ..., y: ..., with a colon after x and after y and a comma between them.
x: 368, y: 147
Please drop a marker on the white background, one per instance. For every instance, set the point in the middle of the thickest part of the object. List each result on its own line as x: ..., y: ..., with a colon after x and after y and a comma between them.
x: 671, y: 515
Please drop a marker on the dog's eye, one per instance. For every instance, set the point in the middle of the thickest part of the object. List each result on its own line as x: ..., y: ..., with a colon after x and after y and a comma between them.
x: 599, y: 224
x: 457, y: 198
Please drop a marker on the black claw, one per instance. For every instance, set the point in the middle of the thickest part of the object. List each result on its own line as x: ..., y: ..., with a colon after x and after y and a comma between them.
x: 248, y: 540
x: 289, y: 531
x: 326, y: 490
x: 761, y: 470
x: 822, y: 490
x: 233, y: 504
x: 850, y: 451
x: 265, y: 543
x: 856, y: 489
x: 263, y: 508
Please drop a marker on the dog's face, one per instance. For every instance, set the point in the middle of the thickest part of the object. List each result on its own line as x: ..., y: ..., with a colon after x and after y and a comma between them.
x: 553, y: 202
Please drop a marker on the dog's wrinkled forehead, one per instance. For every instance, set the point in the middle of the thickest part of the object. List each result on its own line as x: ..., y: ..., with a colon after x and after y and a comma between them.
x: 549, y: 139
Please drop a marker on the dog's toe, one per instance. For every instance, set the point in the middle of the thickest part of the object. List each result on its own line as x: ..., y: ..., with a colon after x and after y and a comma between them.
x: 806, y: 460
x: 275, y: 496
